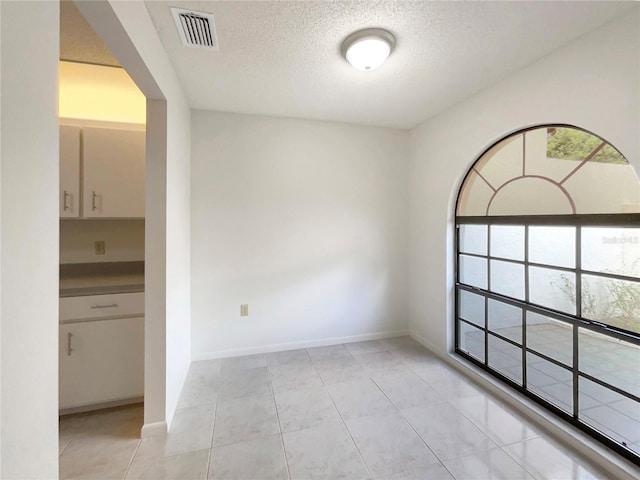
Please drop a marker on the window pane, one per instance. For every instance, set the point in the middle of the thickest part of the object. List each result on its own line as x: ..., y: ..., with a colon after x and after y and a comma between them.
x: 471, y: 340
x: 553, y: 289
x: 505, y: 358
x: 611, y: 360
x: 473, y: 239
x: 616, y: 416
x: 471, y: 307
x: 611, y: 301
x: 505, y: 320
x: 473, y: 271
x: 550, y: 381
x: 611, y: 250
x: 507, y: 241
x: 550, y: 337
x: 553, y: 246
x: 507, y: 278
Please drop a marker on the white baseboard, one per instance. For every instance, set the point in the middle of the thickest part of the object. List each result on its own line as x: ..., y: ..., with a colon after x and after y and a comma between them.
x: 423, y: 341
x: 100, y: 406
x: 153, y: 429
x: 237, y: 352
x: 619, y: 467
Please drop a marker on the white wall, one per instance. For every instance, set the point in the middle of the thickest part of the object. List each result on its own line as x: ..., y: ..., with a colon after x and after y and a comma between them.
x: 568, y: 86
x: 128, y: 31
x: 178, y: 244
x: 29, y: 241
x: 306, y: 222
x: 174, y: 201
x: 0, y: 247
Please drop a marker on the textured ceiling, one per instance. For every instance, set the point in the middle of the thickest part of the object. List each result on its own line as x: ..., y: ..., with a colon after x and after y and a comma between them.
x: 78, y: 41
x: 283, y: 58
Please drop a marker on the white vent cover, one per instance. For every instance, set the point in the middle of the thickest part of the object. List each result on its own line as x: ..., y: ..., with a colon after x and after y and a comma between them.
x: 196, y: 29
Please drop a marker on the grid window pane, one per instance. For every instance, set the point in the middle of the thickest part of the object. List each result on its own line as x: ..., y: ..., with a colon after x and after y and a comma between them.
x: 553, y: 246
x: 473, y: 271
x: 611, y: 301
x: 505, y: 320
x: 553, y: 256
x: 550, y: 381
x: 611, y: 250
x: 551, y: 337
x: 611, y: 360
x: 613, y: 414
x: 507, y: 279
x: 507, y: 241
x: 553, y: 289
x: 471, y: 307
x: 473, y: 239
x: 505, y: 358
x: 471, y: 340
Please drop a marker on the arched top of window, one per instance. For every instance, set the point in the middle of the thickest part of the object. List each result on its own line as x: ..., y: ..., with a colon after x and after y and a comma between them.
x: 550, y: 170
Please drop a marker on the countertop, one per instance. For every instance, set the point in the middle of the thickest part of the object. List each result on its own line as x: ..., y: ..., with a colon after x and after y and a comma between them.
x: 101, y: 278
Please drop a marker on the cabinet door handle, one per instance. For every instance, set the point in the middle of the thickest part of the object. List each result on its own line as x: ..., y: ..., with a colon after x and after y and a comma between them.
x: 93, y: 200
x: 65, y: 205
x: 112, y: 305
x: 69, y: 349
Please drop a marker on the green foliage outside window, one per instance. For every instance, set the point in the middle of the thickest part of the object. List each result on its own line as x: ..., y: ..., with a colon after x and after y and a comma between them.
x: 573, y: 144
x: 617, y: 305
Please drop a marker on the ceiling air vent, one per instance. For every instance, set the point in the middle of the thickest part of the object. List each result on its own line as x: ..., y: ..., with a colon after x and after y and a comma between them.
x: 196, y: 29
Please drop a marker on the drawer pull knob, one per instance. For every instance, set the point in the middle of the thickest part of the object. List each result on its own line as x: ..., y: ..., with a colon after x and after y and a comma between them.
x: 113, y: 305
x: 69, y: 349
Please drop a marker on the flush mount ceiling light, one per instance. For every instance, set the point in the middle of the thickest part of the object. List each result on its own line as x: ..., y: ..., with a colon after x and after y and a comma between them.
x: 368, y: 49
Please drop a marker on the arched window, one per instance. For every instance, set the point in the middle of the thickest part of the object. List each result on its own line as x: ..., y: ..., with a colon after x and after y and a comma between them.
x: 548, y: 277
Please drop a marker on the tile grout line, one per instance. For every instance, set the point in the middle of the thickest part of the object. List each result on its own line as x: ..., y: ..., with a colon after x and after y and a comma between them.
x: 344, y: 424
x: 341, y: 418
x: 440, y: 461
x: 472, y: 422
x: 412, y: 428
x: 126, y: 471
x: 347, y: 428
x: 518, y: 462
x: 275, y: 405
x: 215, y: 411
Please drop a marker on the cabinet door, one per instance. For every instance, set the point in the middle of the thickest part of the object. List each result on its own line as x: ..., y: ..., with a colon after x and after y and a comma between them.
x: 101, y: 361
x: 113, y: 162
x: 69, y: 171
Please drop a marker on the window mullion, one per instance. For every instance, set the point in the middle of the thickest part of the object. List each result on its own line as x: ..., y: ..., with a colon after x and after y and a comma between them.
x: 526, y: 300
x: 456, y: 329
x: 486, y: 299
x: 576, y: 377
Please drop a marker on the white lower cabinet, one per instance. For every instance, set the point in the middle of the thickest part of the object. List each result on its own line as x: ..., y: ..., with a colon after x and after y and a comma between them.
x: 101, y: 361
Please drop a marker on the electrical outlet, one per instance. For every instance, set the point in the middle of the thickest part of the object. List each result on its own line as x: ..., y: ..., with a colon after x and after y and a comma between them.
x: 244, y: 310
x: 99, y: 247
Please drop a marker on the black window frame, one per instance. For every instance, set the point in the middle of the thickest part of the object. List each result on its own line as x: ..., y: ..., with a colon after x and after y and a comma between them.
x: 576, y: 321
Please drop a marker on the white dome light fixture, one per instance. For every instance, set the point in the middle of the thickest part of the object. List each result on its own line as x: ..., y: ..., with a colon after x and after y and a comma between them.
x: 367, y: 49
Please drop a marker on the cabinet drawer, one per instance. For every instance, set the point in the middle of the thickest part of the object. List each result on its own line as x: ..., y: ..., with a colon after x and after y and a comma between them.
x: 100, y: 306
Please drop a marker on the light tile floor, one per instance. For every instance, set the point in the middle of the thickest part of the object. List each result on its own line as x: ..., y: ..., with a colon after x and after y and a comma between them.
x: 383, y: 409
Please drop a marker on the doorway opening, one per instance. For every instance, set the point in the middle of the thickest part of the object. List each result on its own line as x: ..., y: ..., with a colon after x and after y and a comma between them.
x: 102, y: 238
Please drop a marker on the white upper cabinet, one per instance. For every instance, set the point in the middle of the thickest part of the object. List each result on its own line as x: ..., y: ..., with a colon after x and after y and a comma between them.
x: 69, y: 171
x: 113, y: 172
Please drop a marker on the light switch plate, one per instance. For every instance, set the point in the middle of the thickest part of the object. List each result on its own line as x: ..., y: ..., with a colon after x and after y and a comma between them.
x: 99, y: 247
x: 244, y: 310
